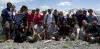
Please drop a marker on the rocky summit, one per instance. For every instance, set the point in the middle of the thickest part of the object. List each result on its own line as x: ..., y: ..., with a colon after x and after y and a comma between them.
x: 78, y: 44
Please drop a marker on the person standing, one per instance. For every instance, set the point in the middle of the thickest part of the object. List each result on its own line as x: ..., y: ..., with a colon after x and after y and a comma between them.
x: 81, y: 17
x: 50, y: 17
x: 30, y: 17
x: 7, y: 20
x: 38, y: 16
x: 44, y: 17
x: 55, y: 14
x: 91, y: 17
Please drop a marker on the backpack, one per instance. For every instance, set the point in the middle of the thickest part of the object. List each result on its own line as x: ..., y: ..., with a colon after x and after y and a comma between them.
x: 20, y: 37
x: 97, y: 28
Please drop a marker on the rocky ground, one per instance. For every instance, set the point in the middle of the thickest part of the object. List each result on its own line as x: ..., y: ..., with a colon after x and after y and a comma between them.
x: 50, y: 45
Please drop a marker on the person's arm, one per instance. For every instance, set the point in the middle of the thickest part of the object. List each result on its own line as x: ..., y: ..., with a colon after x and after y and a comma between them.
x: 39, y: 37
x: 27, y: 20
x: 57, y: 32
x: 4, y: 13
x: 77, y: 35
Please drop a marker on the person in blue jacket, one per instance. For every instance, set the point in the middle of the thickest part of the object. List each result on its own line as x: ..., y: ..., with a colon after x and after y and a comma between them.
x: 7, y: 21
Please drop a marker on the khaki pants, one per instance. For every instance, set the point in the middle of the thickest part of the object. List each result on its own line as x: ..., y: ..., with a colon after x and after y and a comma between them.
x: 8, y: 30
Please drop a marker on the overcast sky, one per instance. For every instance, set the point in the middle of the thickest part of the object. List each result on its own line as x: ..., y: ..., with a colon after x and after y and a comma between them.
x: 55, y: 4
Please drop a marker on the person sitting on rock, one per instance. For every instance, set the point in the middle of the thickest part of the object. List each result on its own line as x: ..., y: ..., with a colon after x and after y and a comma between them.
x: 38, y: 28
x: 64, y: 31
x: 90, y: 30
x: 78, y: 32
x: 53, y: 31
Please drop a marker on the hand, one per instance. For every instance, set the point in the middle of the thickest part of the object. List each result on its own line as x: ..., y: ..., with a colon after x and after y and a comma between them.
x: 6, y: 23
x: 13, y: 22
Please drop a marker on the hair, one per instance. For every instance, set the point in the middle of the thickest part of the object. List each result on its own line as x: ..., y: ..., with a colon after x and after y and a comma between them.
x: 55, y: 10
x: 90, y: 10
x: 37, y: 9
x: 49, y: 9
x: 13, y: 5
x: 23, y: 8
x: 9, y: 3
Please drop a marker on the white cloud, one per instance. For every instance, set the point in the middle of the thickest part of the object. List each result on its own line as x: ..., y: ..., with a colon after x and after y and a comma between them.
x: 1, y: 7
x: 13, y: 1
x: 44, y: 7
x: 64, y: 3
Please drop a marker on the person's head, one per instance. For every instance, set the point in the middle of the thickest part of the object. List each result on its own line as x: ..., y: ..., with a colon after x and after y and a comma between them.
x: 85, y: 12
x: 90, y: 11
x: 49, y: 11
x: 40, y: 23
x: 37, y: 10
x: 53, y: 23
x: 74, y: 16
x: 77, y: 26
x: 68, y: 15
x: 13, y: 8
x: 80, y: 11
x: 55, y: 12
x: 46, y: 27
x: 9, y: 5
x: 44, y: 12
x: 60, y: 14
x: 64, y: 23
x: 33, y: 11
x: 24, y: 9
x: 85, y: 22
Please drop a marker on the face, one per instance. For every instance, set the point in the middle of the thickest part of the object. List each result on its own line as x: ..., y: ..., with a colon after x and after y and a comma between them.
x: 74, y: 17
x: 49, y: 11
x: 26, y: 10
x: 40, y: 23
x: 55, y: 12
x: 44, y: 12
x: 33, y: 11
x: 67, y: 15
x: 61, y: 14
x: 90, y: 11
x: 80, y: 11
x: 13, y: 8
x: 37, y: 11
x: 9, y: 5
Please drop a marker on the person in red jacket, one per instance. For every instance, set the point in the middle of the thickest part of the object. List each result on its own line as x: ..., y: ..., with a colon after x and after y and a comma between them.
x: 30, y: 17
x: 38, y: 16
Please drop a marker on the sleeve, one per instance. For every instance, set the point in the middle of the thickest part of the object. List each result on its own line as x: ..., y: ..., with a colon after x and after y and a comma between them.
x: 3, y: 14
x: 88, y: 29
x: 35, y: 27
x: 96, y: 19
x: 57, y: 27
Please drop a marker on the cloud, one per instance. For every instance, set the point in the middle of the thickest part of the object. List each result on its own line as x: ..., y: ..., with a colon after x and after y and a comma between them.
x: 1, y: 7
x: 64, y: 3
x: 44, y: 7
x: 13, y: 1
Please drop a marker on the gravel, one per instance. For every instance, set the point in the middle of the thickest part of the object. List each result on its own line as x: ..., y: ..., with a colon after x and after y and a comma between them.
x: 78, y: 44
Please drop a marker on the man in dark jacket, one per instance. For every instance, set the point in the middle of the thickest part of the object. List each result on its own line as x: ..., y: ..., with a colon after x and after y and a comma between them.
x: 7, y: 21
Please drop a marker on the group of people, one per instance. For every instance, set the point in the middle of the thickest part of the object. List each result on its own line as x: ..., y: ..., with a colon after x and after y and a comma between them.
x: 48, y: 25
